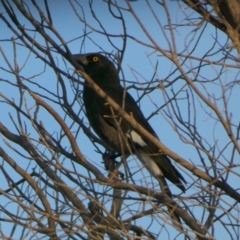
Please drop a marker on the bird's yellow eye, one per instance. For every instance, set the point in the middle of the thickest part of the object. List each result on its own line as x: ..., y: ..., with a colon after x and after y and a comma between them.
x: 95, y: 59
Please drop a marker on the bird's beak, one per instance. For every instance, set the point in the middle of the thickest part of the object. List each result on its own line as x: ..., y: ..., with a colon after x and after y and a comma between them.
x: 79, y: 59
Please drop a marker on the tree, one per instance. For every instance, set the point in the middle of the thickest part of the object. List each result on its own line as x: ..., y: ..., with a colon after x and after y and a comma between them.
x: 179, y: 59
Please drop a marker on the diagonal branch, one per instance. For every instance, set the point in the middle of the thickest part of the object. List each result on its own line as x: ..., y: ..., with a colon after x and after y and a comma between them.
x: 197, y: 172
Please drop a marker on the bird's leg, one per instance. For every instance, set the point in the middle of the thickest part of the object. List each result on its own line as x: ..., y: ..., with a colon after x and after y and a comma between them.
x: 109, y: 160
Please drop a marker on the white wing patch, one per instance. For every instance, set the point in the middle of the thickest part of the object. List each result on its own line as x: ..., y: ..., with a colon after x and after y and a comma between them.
x: 145, y: 159
x: 149, y: 163
x: 136, y: 138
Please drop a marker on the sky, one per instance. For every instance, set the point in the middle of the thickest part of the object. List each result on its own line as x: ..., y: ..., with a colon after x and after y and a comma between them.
x: 138, y: 66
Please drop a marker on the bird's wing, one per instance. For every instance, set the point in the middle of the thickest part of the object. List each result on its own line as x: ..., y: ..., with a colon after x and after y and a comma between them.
x: 126, y: 101
x: 148, y: 153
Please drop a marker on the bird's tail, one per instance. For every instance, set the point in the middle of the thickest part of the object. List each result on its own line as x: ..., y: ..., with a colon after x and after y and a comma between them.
x: 174, y: 216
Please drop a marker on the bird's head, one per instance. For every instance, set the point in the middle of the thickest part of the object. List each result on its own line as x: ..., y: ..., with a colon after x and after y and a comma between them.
x: 97, y: 66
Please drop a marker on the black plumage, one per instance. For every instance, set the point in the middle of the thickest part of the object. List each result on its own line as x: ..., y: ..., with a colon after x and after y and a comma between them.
x: 115, y: 131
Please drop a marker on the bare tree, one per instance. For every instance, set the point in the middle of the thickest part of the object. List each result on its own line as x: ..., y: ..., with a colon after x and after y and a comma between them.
x: 58, y: 179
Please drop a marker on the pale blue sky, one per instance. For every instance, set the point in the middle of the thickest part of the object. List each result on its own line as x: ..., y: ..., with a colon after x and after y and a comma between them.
x: 136, y: 57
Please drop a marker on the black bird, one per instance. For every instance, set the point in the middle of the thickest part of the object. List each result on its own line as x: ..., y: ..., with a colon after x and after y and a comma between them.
x: 115, y: 131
